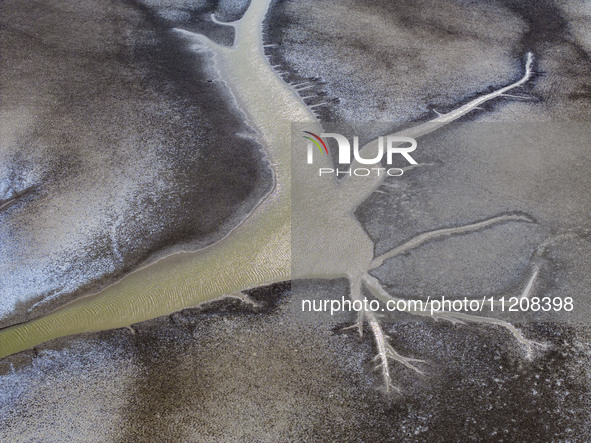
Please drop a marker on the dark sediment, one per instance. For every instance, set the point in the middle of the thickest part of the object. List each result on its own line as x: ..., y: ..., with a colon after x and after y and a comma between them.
x: 128, y: 141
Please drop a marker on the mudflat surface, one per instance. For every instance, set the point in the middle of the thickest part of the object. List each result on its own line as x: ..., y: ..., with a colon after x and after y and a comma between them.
x: 117, y: 147
x: 227, y: 372
x: 133, y: 120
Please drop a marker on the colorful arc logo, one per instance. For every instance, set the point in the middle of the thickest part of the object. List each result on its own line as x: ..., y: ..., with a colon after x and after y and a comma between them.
x: 316, y: 142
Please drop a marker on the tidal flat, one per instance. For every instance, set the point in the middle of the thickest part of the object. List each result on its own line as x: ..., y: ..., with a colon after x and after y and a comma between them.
x: 121, y: 139
x: 121, y: 146
x: 227, y: 372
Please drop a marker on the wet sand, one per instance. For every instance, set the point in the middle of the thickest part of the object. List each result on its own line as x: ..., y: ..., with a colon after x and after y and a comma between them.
x: 228, y: 371
x: 123, y: 137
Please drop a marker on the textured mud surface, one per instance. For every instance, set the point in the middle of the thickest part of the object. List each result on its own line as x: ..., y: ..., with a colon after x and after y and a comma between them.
x: 228, y: 372
x: 116, y: 145
x: 103, y: 156
x: 398, y: 61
